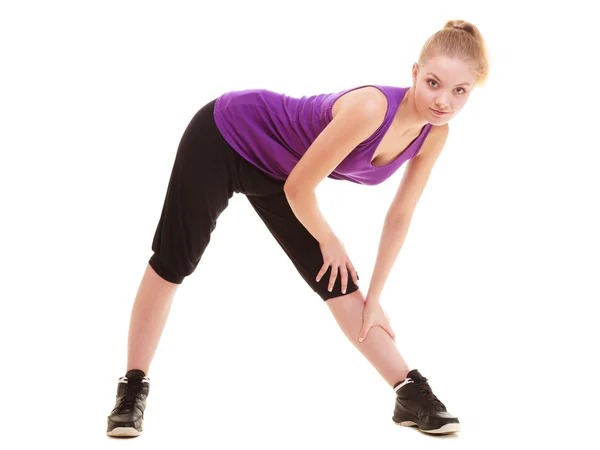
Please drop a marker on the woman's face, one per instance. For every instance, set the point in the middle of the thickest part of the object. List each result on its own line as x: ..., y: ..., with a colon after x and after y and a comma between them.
x: 442, y: 84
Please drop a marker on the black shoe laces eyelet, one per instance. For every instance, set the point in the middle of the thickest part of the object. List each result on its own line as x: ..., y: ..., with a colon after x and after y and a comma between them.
x: 425, y: 391
x: 131, y: 392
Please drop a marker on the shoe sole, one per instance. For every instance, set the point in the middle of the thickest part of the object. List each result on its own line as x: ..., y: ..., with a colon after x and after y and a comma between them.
x: 446, y: 429
x: 124, y: 432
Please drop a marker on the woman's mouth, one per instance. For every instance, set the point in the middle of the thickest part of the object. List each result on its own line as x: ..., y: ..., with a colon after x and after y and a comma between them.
x: 438, y: 113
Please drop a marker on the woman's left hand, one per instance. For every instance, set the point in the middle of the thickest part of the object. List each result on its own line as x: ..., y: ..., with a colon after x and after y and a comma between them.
x: 375, y: 316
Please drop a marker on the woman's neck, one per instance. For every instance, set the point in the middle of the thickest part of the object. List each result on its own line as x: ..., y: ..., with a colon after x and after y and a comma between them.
x: 407, y: 117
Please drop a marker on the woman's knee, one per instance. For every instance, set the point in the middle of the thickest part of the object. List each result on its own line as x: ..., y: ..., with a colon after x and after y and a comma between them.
x: 350, y: 301
x: 167, y: 271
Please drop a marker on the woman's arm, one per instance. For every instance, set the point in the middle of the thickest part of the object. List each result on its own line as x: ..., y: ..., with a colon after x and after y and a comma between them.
x: 392, y: 238
x: 306, y: 209
x: 403, y: 205
x: 361, y: 113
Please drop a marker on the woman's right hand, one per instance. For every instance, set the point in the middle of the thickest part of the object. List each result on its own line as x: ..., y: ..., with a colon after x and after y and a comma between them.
x: 334, y: 255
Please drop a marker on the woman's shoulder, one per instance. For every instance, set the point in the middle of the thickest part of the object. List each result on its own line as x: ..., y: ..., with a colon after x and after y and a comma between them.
x: 362, y: 98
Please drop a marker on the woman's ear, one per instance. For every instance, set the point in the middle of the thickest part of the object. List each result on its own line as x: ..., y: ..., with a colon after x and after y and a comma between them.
x: 415, y: 72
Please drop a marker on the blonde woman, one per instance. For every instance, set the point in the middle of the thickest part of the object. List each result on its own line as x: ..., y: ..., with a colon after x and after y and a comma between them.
x: 275, y: 150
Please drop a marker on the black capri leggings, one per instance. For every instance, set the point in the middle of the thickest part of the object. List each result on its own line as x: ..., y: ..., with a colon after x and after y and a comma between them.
x: 206, y: 173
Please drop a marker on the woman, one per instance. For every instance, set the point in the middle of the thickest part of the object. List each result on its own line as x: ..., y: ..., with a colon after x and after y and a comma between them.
x: 276, y: 149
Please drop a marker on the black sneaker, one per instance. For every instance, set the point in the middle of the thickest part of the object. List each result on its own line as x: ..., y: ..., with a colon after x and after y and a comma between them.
x: 417, y: 405
x: 126, y: 418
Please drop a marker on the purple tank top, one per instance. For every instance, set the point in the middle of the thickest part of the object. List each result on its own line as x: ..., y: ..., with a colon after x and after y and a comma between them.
x: 273, y: 131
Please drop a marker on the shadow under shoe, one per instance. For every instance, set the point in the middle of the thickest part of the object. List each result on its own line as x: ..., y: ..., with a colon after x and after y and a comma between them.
x: 126, y: 418
x: 417, y: 405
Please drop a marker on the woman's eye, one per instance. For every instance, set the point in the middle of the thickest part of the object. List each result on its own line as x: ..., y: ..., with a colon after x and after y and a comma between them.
x: 463, y: 91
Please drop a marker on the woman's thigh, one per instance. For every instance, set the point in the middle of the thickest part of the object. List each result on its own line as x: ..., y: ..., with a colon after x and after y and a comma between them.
x: 296, y: 241
x: 199, y: 189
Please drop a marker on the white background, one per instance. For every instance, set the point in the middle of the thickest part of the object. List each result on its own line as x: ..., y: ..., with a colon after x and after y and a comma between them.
x: 491, y: 297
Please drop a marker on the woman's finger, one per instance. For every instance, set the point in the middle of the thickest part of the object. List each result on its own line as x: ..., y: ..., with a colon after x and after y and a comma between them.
x: 334, y: 271
x: 364, y: 331
x: 389, y: 331
x: 352, y: 272
x: 322, y: 272
x: 344, y: 276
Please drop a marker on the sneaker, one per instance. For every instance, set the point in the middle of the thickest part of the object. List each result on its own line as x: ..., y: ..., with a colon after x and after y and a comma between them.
x: 126, y: 418
x: 416, y: 405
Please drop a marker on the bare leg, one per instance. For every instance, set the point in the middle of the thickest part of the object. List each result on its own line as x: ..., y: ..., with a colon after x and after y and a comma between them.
x: 148, y: 318
x: 378, y: 347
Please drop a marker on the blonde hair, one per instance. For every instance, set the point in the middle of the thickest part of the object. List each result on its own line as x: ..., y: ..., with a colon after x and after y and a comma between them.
x: 459, y: 39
